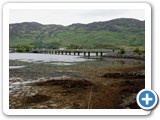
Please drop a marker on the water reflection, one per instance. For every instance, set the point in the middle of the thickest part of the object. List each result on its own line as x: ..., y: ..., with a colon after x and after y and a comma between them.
x: 31, y: 57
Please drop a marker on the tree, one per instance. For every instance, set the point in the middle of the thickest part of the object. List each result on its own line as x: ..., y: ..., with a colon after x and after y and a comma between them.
x: 122, y: 51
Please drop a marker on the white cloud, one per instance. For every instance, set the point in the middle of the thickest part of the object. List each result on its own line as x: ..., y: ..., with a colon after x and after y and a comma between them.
x: 70, y: 16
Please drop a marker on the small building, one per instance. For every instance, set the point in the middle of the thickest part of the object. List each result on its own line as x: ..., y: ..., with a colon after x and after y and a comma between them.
x: 62, y: 48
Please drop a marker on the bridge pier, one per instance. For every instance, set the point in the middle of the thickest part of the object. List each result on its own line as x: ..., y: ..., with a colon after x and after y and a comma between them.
x: 69, y: 52
x: 84, y: 53
x: 78, y: 53
x: 101, y: 54
x: 65, y: 52
x: 55, y: 52
x: 88, y: 54
x: 96, y: 53
x: 74, y: 53
x: 62, y: 52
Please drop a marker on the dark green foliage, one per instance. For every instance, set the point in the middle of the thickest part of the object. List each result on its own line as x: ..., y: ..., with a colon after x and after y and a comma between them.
x: 98, y: 35
x: 22, y: 49
x: 55, y: 45
x: 138, y: 51
x: 122, y: 51
x: 72, y: 46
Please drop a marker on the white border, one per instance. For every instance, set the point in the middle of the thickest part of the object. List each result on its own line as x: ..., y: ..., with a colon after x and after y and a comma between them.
x: 8, y: 6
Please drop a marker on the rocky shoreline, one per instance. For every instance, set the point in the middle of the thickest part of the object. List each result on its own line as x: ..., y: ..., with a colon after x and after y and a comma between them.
x: 101, y: 84
x: 131, y: 75
x: 125, y: 56
x: 72, y: 93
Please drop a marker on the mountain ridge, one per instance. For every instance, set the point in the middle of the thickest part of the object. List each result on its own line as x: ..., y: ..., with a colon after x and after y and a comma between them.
x: 116, y: 32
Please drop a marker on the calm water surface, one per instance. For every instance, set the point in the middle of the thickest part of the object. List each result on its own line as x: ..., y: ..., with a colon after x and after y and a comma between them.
x: 31, y: 57
x: 42, y: 58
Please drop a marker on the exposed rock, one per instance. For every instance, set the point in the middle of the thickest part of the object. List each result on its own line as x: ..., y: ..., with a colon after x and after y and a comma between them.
x: 66, y: 83
x: 126, y: 56
x: 37, y: 98
x: 139, y: 74
x: 130, y: 102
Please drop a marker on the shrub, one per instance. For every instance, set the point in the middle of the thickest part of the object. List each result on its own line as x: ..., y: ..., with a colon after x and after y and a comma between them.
x: 23, y: 49
x: 122, y: 51
x: 20, y: 49
x: 138, y: 51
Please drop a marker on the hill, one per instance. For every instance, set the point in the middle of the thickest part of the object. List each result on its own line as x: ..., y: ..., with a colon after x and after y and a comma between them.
x: 107, y: 34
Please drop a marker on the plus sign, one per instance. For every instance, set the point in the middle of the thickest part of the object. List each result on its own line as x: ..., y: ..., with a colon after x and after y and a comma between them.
x: 147, y: 99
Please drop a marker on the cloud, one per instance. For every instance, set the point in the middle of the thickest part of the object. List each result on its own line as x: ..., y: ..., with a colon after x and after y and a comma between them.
x: 70, y: 16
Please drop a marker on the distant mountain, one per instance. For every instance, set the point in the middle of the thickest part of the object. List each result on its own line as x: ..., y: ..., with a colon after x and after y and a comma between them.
x: 113, y: 33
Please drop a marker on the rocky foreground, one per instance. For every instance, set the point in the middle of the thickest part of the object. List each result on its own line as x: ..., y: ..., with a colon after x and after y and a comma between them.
x: 101, y: 84
x: 82, y: 94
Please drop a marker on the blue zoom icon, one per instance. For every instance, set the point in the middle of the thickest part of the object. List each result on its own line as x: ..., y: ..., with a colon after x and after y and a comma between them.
x: 147, y: 99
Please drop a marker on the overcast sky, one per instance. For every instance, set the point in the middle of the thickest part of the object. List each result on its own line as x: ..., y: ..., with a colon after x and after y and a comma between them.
x: 70, y: 16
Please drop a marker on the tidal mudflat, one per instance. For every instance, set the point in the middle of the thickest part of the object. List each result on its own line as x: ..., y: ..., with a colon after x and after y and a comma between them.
x: 43, y: 81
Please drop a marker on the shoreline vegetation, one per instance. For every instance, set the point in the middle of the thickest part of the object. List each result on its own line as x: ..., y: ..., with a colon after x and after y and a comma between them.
x: 100, y: 84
